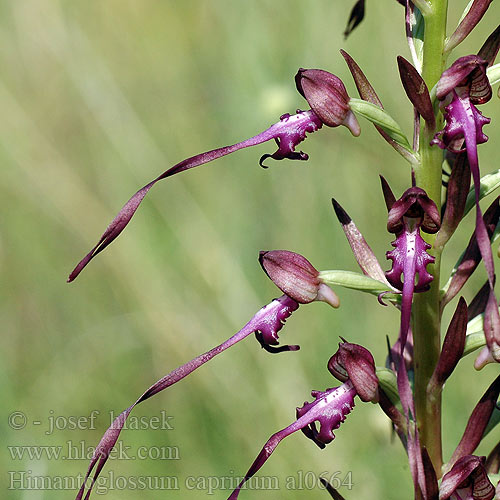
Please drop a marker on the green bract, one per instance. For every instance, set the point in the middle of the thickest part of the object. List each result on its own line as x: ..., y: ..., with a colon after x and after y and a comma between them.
x: 381, y: 118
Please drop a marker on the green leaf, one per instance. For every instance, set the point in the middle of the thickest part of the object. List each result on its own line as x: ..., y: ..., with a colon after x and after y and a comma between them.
x: 494, y: 478
x: 489, y: 183
x: 388, y: 382
x: 473, y: 342
x: 474, y: 339
x: 357, y: 281
x: 417, y: 29
x: 380, y: 117
x: 493, y: 74
x: 465, y: 12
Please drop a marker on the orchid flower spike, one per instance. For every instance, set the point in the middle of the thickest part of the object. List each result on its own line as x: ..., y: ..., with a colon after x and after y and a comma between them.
x: 353, y: 364
x: 329, y: 101
x: 460, y: 88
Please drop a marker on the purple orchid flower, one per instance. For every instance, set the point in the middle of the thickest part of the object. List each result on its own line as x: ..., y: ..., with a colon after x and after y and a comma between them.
x: 266, y: 324
x: 354, y: 365
x: 330, y: 409
x: 413, y: 212
x: 467, y: 480
x: 329, y: 102
x: 460, y: 88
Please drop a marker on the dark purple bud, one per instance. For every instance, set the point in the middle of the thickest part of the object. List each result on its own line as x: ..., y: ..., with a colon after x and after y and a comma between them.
x: 330, y: 489
x: 367, y: 93
x: 287, y: 133
x: 356, y: 363
x: 267, y: 322
x: 327, y: 96
x: 329, y: 409
x: 294, y: 275
x: 356, y: 16
x: 490, y: 48
x: 467, y: 73
x: 472, y: 255
x: 365, y: 89
x: 478, y: 303
x: 456, y: 197
x: 477, y: 423
x: 416, y: 90
x: 389, y: 197
x: 467, y: 479
x: 468, y: 23
x: 453, y: 346
x: 364, y: 255
x: 431, y: 483
x: 414, y: 204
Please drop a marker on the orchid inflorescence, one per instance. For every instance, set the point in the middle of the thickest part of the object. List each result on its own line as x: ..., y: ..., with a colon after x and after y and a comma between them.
x: 448, y: 128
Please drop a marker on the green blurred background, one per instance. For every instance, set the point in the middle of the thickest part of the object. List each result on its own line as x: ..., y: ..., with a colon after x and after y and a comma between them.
x: 99, y: 97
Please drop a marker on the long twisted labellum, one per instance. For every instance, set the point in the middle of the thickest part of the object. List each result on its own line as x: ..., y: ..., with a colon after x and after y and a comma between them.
x: 288, y: 133
x: 268, y: 321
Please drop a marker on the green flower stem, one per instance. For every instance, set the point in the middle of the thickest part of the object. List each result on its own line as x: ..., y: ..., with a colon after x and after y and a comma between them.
x: 426, y: 309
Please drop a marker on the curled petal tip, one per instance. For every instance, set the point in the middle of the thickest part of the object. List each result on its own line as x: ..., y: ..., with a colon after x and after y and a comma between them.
x: 326, y: 294
x: 484, y: 358
x: 351, y: 122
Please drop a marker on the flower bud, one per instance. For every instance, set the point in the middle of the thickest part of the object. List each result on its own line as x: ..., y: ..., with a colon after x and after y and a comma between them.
x: 295, y: 276
x: 327, y: 97
x: 355, y: 363
x: 469, y: 72
x: 414, y: 203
